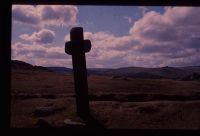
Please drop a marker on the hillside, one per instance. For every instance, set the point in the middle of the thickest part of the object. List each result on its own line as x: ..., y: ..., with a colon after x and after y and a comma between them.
x: 177, y: 73
x: 49, y: 97
x: 20, y: 65
x: 144, y: 73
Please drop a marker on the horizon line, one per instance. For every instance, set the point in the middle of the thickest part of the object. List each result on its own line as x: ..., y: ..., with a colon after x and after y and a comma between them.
x: 111, y: 68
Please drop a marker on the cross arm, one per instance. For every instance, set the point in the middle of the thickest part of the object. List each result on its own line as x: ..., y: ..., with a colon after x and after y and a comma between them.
x: 69, y: 47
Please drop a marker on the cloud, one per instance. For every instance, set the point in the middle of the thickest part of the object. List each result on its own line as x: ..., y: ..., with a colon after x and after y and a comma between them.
x: 175, y: 24
x: 44, y: 36
x: 45, y: 15
x: 157, y: 39
x: 25, y: 14
x: 176, y: 30
x: 58, y: 15
x: 37, y: 51
x: 106, y: 40
x: 41, y: 55
x: 107, y: 49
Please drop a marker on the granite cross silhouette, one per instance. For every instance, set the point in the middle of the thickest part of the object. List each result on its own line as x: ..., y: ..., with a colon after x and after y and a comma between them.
x: 77, y: 47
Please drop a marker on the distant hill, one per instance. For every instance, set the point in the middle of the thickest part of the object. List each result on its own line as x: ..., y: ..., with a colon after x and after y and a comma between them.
x: 140, y: 72
x: 191, y: 69
x: 92, y: 71
x: 20, y: 65
x: 178, y: 73
x: 98, y: 71
x: 61, y: 70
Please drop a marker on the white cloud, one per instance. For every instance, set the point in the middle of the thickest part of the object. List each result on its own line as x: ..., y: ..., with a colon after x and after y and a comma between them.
x: 25, y: 14
x: 170, y: 38
x: 44, y: 36
x: 58, y: 15
x: 41, y: 55
x: 45, y: 15
x: 107, y: 50
x: 174, y: 35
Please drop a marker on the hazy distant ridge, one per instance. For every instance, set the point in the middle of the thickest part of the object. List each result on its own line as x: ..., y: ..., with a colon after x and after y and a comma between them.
x: 182, y: 73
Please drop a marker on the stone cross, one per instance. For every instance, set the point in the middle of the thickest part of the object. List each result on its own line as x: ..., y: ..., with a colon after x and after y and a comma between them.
x: 77, y: 47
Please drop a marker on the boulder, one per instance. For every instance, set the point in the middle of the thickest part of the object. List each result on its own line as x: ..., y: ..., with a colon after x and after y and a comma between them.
x: 68, y: 123
x: 43, y: 111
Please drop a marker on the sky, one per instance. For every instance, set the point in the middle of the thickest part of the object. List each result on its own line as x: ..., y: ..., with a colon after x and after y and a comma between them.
x: 121, y: 36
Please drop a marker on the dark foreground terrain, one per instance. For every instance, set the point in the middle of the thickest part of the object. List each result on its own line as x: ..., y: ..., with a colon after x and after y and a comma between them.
x: 115, y: 103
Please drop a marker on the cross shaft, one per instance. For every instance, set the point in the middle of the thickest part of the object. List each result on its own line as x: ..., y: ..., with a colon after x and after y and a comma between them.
x: 77, y: 48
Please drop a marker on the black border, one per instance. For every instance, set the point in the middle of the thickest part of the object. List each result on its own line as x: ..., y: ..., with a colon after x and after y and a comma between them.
x: 5, y: 58
x: 114, y: 2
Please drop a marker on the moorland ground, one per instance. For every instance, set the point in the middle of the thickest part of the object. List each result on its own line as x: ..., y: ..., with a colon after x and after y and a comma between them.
x: 114, y: 102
